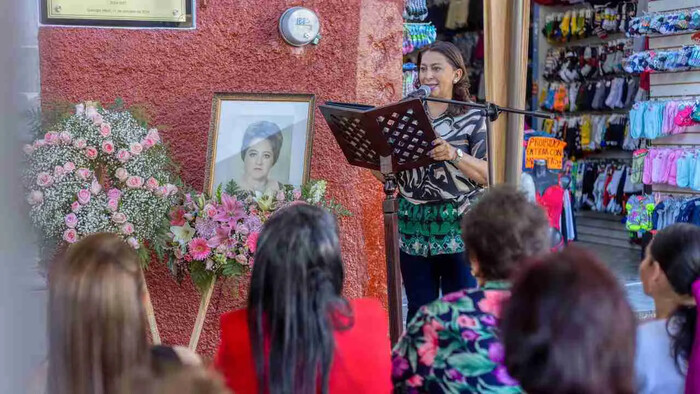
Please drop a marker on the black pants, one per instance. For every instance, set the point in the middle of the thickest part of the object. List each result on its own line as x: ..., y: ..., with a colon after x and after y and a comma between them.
x: 424, y: 277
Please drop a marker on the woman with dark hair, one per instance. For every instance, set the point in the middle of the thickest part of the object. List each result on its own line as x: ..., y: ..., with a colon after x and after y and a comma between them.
x: 299, y: 334
x: 262, y: 143
x: 670, y: 273
x: 568, y: 328
x: 452, y: 344
x: 433, y: 198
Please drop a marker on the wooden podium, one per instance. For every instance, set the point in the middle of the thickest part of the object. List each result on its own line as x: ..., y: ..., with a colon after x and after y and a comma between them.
x: 389, y: 139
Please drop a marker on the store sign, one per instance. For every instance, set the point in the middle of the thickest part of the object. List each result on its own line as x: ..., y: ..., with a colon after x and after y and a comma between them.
x: 545, y: 148
x: 147, y: 13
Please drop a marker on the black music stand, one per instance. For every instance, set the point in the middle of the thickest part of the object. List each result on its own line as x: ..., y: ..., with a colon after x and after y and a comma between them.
x: 389, y: 139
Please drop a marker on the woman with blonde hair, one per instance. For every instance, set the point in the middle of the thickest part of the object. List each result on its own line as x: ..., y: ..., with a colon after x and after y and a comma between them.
x: 96, y: 317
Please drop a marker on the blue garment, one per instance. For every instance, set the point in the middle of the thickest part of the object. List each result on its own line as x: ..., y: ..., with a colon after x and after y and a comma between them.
x: 425, y: 277
x: 657, y: 216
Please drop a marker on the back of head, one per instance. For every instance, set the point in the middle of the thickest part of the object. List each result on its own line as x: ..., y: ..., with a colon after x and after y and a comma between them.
x: 183, y: 380
x: 677, y: 250
x: 568, y: 328
x: 96, y: 319
x: 295, y: 299
x: 502, y: 230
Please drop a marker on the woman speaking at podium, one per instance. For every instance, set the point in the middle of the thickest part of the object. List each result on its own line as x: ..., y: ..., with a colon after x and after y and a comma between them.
x: 433, y: 198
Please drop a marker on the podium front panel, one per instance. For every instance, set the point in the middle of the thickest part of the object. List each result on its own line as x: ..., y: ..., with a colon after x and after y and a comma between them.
x: 408, y: 131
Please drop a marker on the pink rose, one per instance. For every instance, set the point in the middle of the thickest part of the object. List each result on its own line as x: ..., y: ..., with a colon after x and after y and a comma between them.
x: 148, y: 143
x: 152, y: 184
x: 35, y: 197
x: 38, y: 143
x: 114, y: 193
x: 112, y: 204
x: 58, y: 172
x: 90, y: 111
x: 83, y: 196
x: 121, y: 174
x: 127, y: 228
x: 51, y: 138
x: 95, y: 187
x: 71, y: 220
x: 28, y: 149
x: 108, y: 147
x: 97, y: 119
x: 80, y: 143
x: 135, y: 148
x: 153, y: 134
x: 297, y: 194
x: 84, y: 174
x: 69, y: 167
x: 91, y: 152
x: 242, y: 259
x: 44, y: 179
x: 123, y: 155
x: 105, y: 130
x: 75, y: 207
x: 118, y: 218
x: 133, y: 242
x: 65, y: 137
x: 80, y: 109
x: 209, y: 210
x: 134, y: 182
x: 70, y: 235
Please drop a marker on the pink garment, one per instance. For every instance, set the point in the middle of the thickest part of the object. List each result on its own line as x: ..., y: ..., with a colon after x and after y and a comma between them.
x: 658, y: 166
x: 648, y: 163
x: 683, y: 116
x: 673, y: 166
x: 552, y: 200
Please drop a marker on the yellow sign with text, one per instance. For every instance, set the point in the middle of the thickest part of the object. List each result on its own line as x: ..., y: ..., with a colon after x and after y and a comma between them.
x: 545, y: 148
x: 118, y: 10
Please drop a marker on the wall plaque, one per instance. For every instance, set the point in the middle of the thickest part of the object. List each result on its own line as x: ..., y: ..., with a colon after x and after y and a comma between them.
x: 124, y: 13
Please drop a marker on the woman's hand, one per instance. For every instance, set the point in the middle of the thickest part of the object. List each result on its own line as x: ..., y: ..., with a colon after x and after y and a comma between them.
x: 443, y: 151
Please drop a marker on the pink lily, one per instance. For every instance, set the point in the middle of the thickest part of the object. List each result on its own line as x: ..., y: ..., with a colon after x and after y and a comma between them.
x: 230, y: 211
x: 222, y: 234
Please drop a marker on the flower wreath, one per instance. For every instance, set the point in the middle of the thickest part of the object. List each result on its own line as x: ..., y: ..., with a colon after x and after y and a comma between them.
x: 99, y: 171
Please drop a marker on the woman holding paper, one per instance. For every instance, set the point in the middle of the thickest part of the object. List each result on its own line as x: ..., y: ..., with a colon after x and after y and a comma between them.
x: 433, y: 198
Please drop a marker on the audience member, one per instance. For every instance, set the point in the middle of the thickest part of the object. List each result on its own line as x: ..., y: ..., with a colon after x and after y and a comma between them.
x: 96, y: 318
x: 182, y: 380
x: 569, y: 329
x: 669, y: 273
x: 452, y: 344
x: 299, y: 334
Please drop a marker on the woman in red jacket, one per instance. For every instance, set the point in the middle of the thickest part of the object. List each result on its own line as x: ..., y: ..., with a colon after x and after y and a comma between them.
x: 298, y: 334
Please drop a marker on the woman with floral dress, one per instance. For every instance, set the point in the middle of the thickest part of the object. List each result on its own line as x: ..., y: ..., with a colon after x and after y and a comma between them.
x: 452, y: 344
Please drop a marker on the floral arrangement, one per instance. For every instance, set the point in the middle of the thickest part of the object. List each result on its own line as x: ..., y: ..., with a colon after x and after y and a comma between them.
x: 99, y: 170
x: 212, y: 237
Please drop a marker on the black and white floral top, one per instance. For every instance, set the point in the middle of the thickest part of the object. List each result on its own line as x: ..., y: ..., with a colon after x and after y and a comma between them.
x: 443, y: 181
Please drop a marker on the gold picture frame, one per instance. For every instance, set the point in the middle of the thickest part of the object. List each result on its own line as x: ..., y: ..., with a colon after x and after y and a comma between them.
x: 252, y: 108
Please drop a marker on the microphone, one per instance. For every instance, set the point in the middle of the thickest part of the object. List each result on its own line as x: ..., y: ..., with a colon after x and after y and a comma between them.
x: 422, y: 91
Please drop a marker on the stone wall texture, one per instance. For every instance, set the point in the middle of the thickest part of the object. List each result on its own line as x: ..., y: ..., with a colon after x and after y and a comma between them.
x: 236, y: 48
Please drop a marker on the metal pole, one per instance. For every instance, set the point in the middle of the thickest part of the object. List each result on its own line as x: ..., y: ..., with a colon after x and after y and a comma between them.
x: 516, y: 94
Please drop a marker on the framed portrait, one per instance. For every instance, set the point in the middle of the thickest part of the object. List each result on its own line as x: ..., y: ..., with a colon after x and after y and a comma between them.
x: 261, y: 141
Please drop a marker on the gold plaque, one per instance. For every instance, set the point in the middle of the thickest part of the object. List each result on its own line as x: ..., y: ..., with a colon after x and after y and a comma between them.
x: 118, y: 10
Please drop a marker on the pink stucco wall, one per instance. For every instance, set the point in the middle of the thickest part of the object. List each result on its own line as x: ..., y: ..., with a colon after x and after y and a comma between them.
x: 236, y: 48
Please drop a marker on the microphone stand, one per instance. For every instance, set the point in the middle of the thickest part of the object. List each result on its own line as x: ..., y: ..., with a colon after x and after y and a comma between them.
x: 491, y: 112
